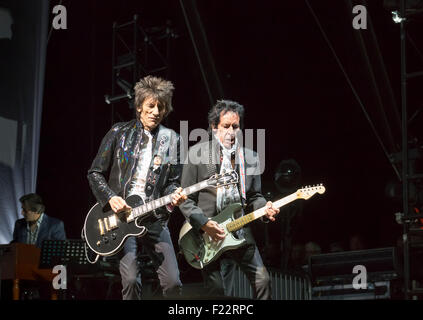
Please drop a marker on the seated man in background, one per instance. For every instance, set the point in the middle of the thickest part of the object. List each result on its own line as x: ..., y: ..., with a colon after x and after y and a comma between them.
x: 36, y: 226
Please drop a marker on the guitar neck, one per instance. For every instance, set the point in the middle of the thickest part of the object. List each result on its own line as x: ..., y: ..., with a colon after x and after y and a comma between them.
x: 152, y: 205
x: 242, y: 221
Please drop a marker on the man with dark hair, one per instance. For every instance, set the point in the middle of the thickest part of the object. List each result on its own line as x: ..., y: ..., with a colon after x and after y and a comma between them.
x: 224, y: 152
x: 142, y: 157
x: 36, y: 226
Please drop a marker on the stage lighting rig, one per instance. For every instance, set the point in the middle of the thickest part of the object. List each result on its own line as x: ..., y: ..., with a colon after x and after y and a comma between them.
x: 412, y: 7
x: 396, y: 17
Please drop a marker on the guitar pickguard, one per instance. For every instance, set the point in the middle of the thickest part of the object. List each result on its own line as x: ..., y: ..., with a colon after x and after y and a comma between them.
x: 213, y: 249
x: 199, y: 249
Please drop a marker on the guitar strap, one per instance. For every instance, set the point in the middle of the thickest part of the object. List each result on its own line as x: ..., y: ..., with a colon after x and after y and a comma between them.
x: 242, y: 175
x: 211, y: 167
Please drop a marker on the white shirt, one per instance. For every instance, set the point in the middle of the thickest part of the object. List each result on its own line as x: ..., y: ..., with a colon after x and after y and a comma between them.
x: 229, y: 194
x: 31, y: 236
x: 146, y: 153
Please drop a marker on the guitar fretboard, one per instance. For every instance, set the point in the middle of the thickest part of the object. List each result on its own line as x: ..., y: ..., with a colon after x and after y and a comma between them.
x: 152, y: 205
x: 242, y: 221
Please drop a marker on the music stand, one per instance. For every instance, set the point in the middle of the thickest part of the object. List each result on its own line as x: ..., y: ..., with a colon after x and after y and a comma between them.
x: 70, y: 253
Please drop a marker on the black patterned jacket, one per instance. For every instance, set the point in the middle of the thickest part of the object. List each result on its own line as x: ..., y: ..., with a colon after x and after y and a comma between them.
x: 114, y: 166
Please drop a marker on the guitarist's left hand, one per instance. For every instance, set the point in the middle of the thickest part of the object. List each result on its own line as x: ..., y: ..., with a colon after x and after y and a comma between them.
x: 271, y: 211
x: 178, y: 197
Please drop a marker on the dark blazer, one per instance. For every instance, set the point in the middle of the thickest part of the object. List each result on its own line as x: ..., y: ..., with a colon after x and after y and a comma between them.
x: 50, y: 229
x: 202, y: 205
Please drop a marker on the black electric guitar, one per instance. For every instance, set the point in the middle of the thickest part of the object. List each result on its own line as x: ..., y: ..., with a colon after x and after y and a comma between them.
x: 200, y: 250
x: 106, y: 231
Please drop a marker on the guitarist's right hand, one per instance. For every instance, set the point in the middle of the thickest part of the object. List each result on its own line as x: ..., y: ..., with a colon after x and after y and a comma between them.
x: 118, y: 204
x: 213, y: 229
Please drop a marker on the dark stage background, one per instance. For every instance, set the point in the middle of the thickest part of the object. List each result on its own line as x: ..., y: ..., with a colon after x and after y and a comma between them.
x: 272, y: 58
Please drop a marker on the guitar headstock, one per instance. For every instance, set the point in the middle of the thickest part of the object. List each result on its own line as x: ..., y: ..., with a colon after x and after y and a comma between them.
x: 307, y: 192
x: 224, y: 179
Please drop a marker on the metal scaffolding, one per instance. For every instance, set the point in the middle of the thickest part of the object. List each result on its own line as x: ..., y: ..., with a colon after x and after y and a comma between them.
x: 137, y: 52
x: 408, y: 155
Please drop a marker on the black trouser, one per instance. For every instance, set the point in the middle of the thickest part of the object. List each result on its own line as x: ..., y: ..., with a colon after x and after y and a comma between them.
x: 158, y: 245
x: 219, y: 276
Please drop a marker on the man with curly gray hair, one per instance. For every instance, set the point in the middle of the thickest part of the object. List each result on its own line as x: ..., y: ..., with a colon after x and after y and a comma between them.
x: 157, y: 89
x: 139, y: 158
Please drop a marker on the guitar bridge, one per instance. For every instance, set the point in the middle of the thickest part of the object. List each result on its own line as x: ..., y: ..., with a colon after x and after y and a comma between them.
x: 112, y: 222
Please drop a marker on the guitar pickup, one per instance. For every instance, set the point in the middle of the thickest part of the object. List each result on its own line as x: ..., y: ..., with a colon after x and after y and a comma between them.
x: 101, y: 226
x: 106, y: 224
